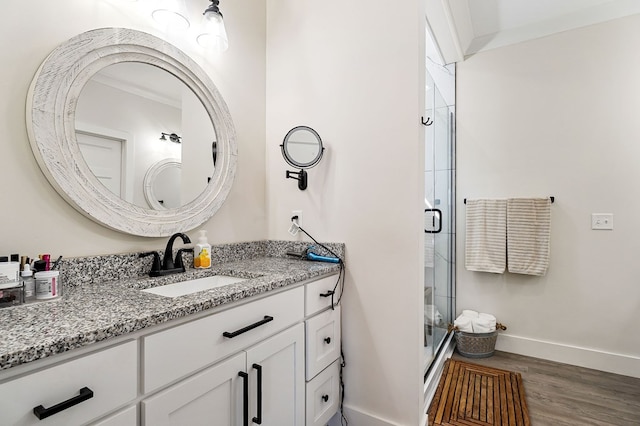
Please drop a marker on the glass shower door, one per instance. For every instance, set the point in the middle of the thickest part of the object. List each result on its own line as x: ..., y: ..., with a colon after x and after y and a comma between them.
x: 439, y: 235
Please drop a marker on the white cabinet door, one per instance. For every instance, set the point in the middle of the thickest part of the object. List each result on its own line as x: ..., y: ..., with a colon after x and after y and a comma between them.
x: 277, y: 364
x: 126, y: 417
x: 212, y: 397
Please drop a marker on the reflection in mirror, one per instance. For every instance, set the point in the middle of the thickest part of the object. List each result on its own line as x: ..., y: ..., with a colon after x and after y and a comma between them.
x: 162, y: 184
x: 121, y: 115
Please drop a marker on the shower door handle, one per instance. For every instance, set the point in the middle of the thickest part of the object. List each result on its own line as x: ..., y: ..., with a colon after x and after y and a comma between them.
x: 436, y: 212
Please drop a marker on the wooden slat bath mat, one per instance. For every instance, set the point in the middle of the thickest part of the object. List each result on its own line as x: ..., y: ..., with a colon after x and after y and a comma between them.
x: 470, y: 394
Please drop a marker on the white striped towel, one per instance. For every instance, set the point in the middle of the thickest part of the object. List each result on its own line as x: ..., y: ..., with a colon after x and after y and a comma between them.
x: 429, y: 250
x: 528, y: 235
x: 486, y: 239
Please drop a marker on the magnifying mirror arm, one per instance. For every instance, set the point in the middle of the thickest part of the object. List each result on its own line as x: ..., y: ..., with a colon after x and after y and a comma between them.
x: 300, y: 176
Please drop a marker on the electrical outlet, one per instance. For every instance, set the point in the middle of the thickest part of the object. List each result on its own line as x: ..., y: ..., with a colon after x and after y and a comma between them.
x: 299, y: 214
x: 602, y: 221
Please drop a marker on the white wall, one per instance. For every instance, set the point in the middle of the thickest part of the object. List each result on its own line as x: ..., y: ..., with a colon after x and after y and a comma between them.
x: 559, y: 116
x: 35, y: 217
x: 353, y: 71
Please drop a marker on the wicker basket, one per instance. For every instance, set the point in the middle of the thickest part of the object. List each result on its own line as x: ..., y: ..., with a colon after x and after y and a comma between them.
x: 476, y: 345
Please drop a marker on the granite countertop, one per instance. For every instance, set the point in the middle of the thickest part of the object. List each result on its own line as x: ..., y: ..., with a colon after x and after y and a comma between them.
x: 88, y: 314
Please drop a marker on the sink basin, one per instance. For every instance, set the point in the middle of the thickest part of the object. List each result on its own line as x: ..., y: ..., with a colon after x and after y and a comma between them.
x: 193, y: 286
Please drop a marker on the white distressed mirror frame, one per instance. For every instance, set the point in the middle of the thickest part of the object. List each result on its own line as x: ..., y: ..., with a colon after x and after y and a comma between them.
x: 51, y: 105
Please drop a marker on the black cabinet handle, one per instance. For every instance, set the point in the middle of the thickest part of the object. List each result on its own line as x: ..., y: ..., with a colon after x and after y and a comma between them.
x: 325, y: 398
x: 233, y: 334
x: 245, y: 397
x: 327, y: 294
x: 258, y: 418
x: 42, y: 413
x: 327, y: 340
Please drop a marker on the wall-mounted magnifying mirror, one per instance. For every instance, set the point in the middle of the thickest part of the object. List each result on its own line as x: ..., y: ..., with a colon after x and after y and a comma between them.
x: 302, y: 148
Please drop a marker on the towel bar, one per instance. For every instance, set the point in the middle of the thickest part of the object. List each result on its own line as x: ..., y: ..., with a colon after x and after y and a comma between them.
x: 552, y: 198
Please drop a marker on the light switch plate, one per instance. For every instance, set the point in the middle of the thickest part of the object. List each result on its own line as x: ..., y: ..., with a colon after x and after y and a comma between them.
x: 602, y: 221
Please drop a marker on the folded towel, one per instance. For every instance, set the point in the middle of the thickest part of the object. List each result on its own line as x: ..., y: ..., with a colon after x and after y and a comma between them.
x: 528, y: 235
x: 485, y: 323
x: 479, y: 327
x: 464, y: 324
x: 487, y: 318
x: 486, y: 235
x: 429, y: 250
x: 431, y: 315
x: 469, y: 313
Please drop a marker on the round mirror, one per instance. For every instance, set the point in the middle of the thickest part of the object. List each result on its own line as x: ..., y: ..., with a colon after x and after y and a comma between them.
x: 302, y: 147
x: 162, y: 184
x: 152, y: 116
x: 62, y: 119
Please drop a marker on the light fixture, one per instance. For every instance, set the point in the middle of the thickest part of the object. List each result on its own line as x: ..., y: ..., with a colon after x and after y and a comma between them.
x: 214, y: 36
x: 172, y: 137
x: 171, y: 14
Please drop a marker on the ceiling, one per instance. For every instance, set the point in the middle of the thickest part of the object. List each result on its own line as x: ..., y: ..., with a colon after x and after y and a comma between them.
x: 463, y: 27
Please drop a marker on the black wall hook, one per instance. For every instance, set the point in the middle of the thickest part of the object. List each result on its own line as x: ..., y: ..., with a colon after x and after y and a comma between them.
x: 429, y: 121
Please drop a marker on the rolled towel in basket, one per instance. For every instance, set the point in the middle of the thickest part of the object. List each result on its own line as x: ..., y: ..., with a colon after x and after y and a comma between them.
x: 485, y: 323
x: 431, y: 315
x: 470, y: 314
x: 463, y: 323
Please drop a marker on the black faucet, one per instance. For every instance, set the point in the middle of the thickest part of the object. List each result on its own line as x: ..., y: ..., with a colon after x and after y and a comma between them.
x: 168, y: 266
x: 167, y: 261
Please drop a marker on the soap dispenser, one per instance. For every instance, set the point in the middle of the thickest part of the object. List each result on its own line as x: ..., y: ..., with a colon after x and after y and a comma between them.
x: 202, y: 251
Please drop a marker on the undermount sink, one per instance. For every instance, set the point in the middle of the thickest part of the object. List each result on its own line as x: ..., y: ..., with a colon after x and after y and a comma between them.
x: 193, y: 286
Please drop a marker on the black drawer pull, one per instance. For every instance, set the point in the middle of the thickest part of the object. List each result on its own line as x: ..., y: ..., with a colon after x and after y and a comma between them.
x: 327, y: 294
x: 42, y: 413
x: 258, y: 418
x: 327, y: 340
x: 233, y: 334
x: 245, y: 398
x: 325, y: 398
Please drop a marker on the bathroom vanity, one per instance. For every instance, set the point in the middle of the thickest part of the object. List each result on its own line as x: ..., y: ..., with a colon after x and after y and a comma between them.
x: 113, y: 350
x: 262, y: 351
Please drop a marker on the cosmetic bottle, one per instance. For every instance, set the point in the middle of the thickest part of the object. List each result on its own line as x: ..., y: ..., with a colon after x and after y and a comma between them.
x: 48, y: 285
x: 29, y: 284
x: 202, y: 252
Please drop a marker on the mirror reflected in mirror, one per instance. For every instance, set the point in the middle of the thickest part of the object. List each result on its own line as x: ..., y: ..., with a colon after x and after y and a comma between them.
x: 162, y: 184
x: 132, y: 116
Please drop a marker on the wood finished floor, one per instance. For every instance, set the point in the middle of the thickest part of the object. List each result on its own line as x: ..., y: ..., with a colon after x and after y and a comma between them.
x: 565, y: 395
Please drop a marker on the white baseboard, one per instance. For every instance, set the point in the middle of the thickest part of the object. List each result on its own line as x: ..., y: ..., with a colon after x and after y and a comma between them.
x: 357, y: 417
x: 583, y: 357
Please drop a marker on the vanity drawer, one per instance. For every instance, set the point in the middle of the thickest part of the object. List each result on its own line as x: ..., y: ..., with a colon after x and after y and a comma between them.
x: 110, y: 374
x: 318, y: 294
x: 322, y: 341
x: 323, y: 396
x: 179, y: 351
